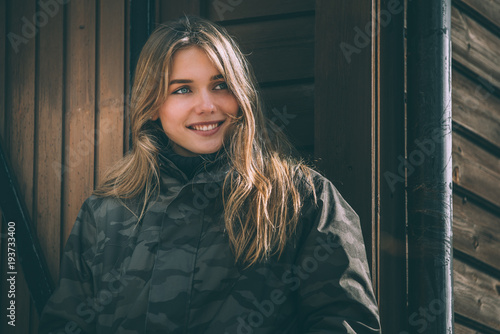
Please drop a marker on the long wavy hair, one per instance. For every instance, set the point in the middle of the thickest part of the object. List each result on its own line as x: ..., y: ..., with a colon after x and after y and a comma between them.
x: 262, y: 193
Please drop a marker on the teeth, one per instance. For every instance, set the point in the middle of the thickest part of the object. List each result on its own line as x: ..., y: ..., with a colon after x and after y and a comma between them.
x: 205, y: 127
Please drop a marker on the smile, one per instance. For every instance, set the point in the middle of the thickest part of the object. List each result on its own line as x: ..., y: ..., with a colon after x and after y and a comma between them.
x: 205, y: 127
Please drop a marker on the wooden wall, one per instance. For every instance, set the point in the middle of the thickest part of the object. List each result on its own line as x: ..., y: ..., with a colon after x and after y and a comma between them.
x: 63, y: 121
x: 62, y: 115
x: 476, y: 165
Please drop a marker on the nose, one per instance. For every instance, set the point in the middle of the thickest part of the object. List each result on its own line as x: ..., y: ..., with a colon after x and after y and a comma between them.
x: 205, y: 102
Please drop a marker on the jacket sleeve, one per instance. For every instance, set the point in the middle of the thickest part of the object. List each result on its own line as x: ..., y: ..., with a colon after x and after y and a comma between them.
x: 69, y: 309
x: 335, y: 292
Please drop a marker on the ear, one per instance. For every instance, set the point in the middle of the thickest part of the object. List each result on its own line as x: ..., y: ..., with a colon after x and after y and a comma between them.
x: 155, y: 117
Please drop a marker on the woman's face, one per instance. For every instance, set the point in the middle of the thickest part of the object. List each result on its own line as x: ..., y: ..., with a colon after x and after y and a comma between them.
x: 195, y: 113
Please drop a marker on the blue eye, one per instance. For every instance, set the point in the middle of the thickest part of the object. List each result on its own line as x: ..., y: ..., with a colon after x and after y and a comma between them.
x: 222, y: 85
x: 182, y: 90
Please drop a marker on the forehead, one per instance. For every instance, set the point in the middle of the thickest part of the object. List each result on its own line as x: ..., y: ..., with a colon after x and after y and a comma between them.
x: 192, y: 60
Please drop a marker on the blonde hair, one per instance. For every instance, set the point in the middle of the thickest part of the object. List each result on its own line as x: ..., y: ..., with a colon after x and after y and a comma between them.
x: 261, y: 193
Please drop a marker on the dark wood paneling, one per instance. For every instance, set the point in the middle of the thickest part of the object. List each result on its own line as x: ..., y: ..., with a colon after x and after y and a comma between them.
x: 171, y: 10
x: 476, y: 294
x: 476, y: 109
x: 281, y: 49
x: 78, y: 176
x: 344, y: 118
x: 292, y: 109
x: 391, y: 215
x: 50, y: 85
x: 110, y: 86
x: 475, y: 231
x: 476, y: 169
x: 475, y: 47
x: 219, y: 10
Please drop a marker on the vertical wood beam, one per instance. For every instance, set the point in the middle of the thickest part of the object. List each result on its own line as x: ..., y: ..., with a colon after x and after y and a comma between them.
x: 344, y: 112
x: 110, y: 90
x: 79, y: 117
x: 391, y: 147
x: 50, y: 87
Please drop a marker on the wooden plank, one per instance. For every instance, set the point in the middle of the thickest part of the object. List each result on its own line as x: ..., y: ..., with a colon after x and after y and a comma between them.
x: 220, y: 10
x: 78, y: 173
x: 475, y: 47
x: 475, y: 231
x: 126, y: 125
x: 469, y: 150
x: 390, y: 145
x: 20, y: 106
x: 110, y: 86
x: 461, y: 329
x: 476, y: 169
x: 344, y: 116
x: 279, y: 49
x: 292, y: 109
x: 49, y: 138
x: 476, y: 109
x: 171, y: 10
x: 490, y: 9
x: 476, y: 295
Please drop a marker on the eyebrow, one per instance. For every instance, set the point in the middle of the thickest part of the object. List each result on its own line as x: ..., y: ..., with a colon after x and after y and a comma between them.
x: 182, y: 81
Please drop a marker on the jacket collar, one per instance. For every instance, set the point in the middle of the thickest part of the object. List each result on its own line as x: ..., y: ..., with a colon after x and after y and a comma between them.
x: 213, y: 167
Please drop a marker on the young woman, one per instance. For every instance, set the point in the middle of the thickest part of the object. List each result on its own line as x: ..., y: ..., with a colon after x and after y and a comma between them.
x: 208, y: 225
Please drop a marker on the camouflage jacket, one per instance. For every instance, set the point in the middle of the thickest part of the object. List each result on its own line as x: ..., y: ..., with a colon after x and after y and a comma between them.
x: 174, y: 272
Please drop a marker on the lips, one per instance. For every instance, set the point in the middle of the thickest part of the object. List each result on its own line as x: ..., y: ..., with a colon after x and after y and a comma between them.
x: 205, y: 126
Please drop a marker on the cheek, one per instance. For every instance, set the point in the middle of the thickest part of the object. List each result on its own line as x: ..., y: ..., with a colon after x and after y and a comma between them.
x: 171, y: 114
x: 232, y: 106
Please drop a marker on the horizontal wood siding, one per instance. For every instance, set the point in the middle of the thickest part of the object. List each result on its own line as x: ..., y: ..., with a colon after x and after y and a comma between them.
x: 461, y: 329
x: 290, y: 108
x: 475, y: 47
x: 476, y: 170
x: 280, y: 49
x: 475, y: 108
x: 476, y: 164
x: 63, y: 90
x: 476, y: 294
x: 475, y: 231
x: 220, y: 10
